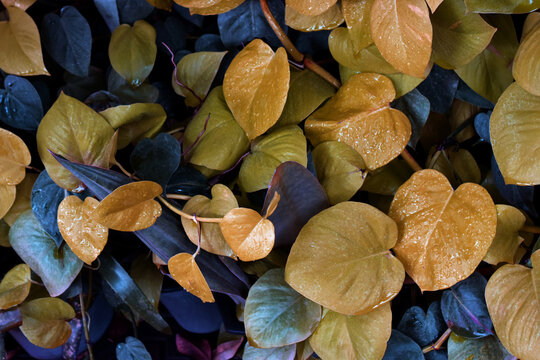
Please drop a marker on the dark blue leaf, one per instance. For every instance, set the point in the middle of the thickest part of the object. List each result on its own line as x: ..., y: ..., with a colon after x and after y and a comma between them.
x: 188, y: 181
x: 109, y: 13
x: 416, y: 107
x: 20, y: 104
x: 423, y: 328
x: 481, y: 125
x: 132, y: 349
x: 209, y: 42
x: 195, y: 19
x: 133, y: 10
x: 465, y: 93
x: 314, y: 43
x: 68, y: 39
x: 172, y: 33
x: 247, y: 22
x: 464, y: 308
x: 440, y: 88
x: 401, y: 347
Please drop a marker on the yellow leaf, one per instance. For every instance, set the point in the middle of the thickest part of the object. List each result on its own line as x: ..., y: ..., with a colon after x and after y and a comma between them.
x: 211, y: 238
x: 21, y: 4
x: 502, y: 6
x: 514, y: 132
x: 20, y: 46
x: 357, y: 16
x: 328, y: 20
x: 360, y: 116
x: 310, y: 7
x: 132, y: 51
x: 82, y: 233
x: 535, y: 261
x: 14, y: 157
x: 433, y: 4
x: 22, y: 200
x: 162, y: 4
x: 402, y: 32
x: 186, y: 272
x: 353, y: 337
x: 130, y: 207
x: 256, y: 85
x: 341, y: 259
x: 197, y: 3
x: 526, y: 68
x: 511, y: 301
x: 7, y: 198
x: 443, y: 234
x: 45, y: 322
x: 221, y: 7
x: 15, y: 286
x: 249, y: 234
x: 529, y: 24
x: 507, y: 239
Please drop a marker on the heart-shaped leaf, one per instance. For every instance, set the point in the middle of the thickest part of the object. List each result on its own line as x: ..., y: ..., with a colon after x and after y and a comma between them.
x: 14, y: 157
x: 36, y: 248
x: 281, y: 353
x: 501, y: 6
x: 400, y: 346
x: 438, y: 79
x: 186, y: 272
x: 507, y: 239
x: 327, y: 20
x: 256, y: 85
x: 309, y: 7
x: 132, y: 349
x: 336, y: 249
x: 8, y: 194
x: 23, y: 107
x: 357, y: 16
x: 424, y: 328
x: 488, y: 347
x: 15, y: 286
x: 275, y: 315
x: 438, y: 225
x: 360, y: 115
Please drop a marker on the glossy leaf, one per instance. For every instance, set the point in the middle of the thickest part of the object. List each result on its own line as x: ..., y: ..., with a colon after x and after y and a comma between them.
x: 221, y: 7
x: 525, y: 68
x: 488, y: 347
x: 22, y: 107
x: 343, y: 264
x: 400, y: 346
x: 275, y: 315
x: 502, y: 6
x: 14, y: 157
x: 481, y: 125
x: 256, y: 85
x: 357, y: 15
x: 21, y: 4
x: 310, y: 7
x: 15, y: 286
x: 184, y: 270
x: 424, y: 328
x: 147, y: 277
x: 281, y: 353
x: 327, y: 20
x: 507, y: 239
x: 437, y: 225
x: 188, y: 181
x: 132, y: 349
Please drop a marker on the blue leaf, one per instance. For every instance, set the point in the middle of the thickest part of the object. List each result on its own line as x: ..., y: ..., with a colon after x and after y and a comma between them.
x: 401, y: 347
x: 465, y: 93
x: 188, y: 181
x: 20, y: 104
x: 416, y: 107
x: 194, y: 19
x: 440, y: 88
x: 423, y: 328
x: 314, y: 43
x: 481, y: 125
x: 133, y: 10
x: 209, y: 42
x: 109, y: 12
x: 172, y: 33
x: 132, y: 349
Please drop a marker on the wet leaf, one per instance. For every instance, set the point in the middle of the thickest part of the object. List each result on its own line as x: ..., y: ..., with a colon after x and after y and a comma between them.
x: 184, y: 270
x: 7, y: 198
x: 514, y: 130
x: 327, y: 20
x: 502, y: 6
x: 340, y: 262
x: 22, y: 107
x: 132, y: 349
x: 221, y: 7
x: 310, y: 7
x: 402, y: 32
x: 275, y: 315
x: 281, y: 353
x: 507, y: 239
x: 147, y: 277
x: 211, y: 238
x: 256, y: 85
x: 15, y: 286
x: 14, y: 157
x: 438, y: 225
x: 20, y: 46
x: 130, y: 207
x: 45, y: 322
x: 132, y: 51
x: 525, y: 68
x: 357, y: 15
x: 356, y: 337
x: 485, y: 348
x: 82, y: 233
x: 359, y: 115
x: 400, y: 346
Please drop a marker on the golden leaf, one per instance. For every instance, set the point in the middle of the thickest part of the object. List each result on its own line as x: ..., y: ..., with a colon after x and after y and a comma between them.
x: 14, y: 157
x: 526, y: 68
x: 21, y: 4
x: 310, y: 7
x: 357, y: 15
x: 507, y: 239
x: 502, y: 6
x: 197, y: 3
x: 7, y: 198
x: 272, y: 205
x: 15, y: 286
x: 186, y: 272
x: 514, y: 131
x: 529, y: 24
x: 22, y: 199
x: 535, y: 261
x: 82, y: 233
x: 130, y: 207
x: 327, y: 20
x: 433, y: 4
x: 443, y: 234
x: 256, y: 85
x: 360, y: 116
x: 221, y: 7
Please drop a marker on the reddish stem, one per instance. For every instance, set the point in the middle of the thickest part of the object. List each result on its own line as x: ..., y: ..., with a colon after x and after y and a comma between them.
x: 176, y: 78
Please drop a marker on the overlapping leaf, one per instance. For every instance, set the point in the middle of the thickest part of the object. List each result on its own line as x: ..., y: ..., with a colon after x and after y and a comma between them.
x: 310, y: 7
x: 357, y: 15
x: 15, y: 286
x: 525, y: 69
x: 14, y: 157
x: 184, y: 270
x: 502, y: 6
x: 507, y: 239
x: 327, y: 20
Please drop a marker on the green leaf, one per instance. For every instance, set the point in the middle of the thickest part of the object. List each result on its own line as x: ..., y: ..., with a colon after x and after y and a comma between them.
x: 502, y: 6
x: 15, y: 286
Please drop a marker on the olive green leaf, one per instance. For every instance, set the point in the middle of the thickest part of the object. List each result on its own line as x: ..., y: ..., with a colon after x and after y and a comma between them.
x: 502, y: 6
x: 387, y: 179
x: 15, y: 286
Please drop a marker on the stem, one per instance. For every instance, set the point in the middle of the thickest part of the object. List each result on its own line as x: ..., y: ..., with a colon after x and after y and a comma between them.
x: 86, y: 333
x: 531, y: 229
x: 178, y: 197
x: 215, y: 180
x: 437, y: 345
x: 127, y: 173
x: 174, y: 131
x: 198, y: 137
x: 410, y: 160
x: 199, y: 231
x: 317, y: 69
x: 186, y: 215
x: 33, y: 168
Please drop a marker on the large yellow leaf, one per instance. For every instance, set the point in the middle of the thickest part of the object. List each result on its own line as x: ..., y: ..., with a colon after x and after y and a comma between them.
x: 256, y: 85
x: 130, y: 207
x: 514, y: 132
x: 75, y: 131
x: 507, y: 239
x: 211, y: 238
x: 20, y: 46
x: 45, y: 321
x: 535, y: 261
x: 7, y: 198
x: 14, y: 157
x: 360, y: 115
x: 443, y: 234
x: 186, y: 272
x: 515, y: 310
x: 221, y: 7
x: 22, y: 200
x: 310, y: 7
x: 502, y: 6
x: 21, y: 4
x: 402, y: 31
x: 82, y: 233
x: 353, y: 337
x: 15, y: 286
x: 328, y: 20
x: 357, y: 16
x: 526, y: 68
x: 132, y: 51
x: 341, y: 259
x: 529, y: 24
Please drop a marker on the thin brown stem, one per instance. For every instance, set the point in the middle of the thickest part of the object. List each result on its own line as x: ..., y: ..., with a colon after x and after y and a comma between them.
x: 317, y: 69
x: 33, y: 168
x: 437, y: 345
x: 186, y: 215
x: 531, y: 229
x: 85, y: 326
x: 174, y: 131
x: 410, y: 160
x: 127, y: 173
x: 199, y: 231
x: 178, y: 197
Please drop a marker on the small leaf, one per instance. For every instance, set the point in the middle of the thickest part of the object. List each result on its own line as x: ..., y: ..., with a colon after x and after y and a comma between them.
x: 14, y: 157
x: 327, y: 20
x: 8, y: 194
x: 501, y: 6
x: 130, y: 207
x: 525, y: 67
x: 22, y: 199
x: 281, y: 353
x: 15, y: 286
x: 132, y: 349
x: 309, y: 7
x: 400, y: 346
x: 488, y: 347
x: 507, y: 239
x: 22, y: 107
x: 185, y: 271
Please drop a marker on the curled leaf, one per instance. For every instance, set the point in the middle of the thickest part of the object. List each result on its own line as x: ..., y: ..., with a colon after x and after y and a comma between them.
x: 15, y: 286
x: 185, y: 271
x: 14, y: 157
x: 507, y: 239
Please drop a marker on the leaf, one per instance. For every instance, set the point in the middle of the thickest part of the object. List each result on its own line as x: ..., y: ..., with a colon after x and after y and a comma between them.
x: 21, y: 4
x: 82, y: 233
x: 327, y: 20
x: 430, y: 214
x: 227, y: 350
x: 481, y: 125
x: 340, y: 169
x: 45, y: 321
x: 147, y: 277
x: 282, y: 353
x: 36, y: 248
x: 132, y: 51
x: 20, y: 49
x: 22, y: 107
x: 161, y: 4
x: 275, y: 315
x: 310, y: 7
x: 416, y: 107
x: 433, y: 4
x: 256, y: 85
x: 130, y: 207
x: 22, y: 199
x: 14, y: 157
x: 507, y: 239
x: 199, y: 351
x: 458, y: 165
x: 400, y: 346
x: 344, y: 265
x: 465, y: 93
x: 68, y: 39
x: 386, y: 180
x: 187, y: 181
x: 458, y: 36
x: 359, y: 115
x: 356, y: 337
x: 109, y: 12
x: 15, y: 286
x: 514, y: 131
x: 72, y: 129
x: 357, y: 15
x: 221, y: 7
x: 268, y: 152
x: 525, y: 69
x: 488, y: 347
x: 438, y: 79
x: 402, y: 32
x: 132, y: 349
x: 423, y: 328
x: 132, y: 10
x: 7, y: 197
x: 529, y: 24
x: 511, y: 301
x: 185, y: 271
x: 501, y: 6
